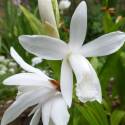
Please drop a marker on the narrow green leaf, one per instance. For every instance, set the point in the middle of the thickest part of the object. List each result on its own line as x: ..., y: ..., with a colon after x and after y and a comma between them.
x: 56, y: 11
x: 56, y: 67
x: 113, y: 69
x: 107, y: 23
x: 87, y: 114
x: 35, y: 24
x: 94, y: 113
x: 116, y: 117
x: 98, y: 111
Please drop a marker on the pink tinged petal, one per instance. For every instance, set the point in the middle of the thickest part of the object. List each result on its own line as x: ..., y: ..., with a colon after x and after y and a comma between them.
x: 88, y: 85
x: 23, y: 102
x: 104, y: 45
x: 66, y: 82
x: 36, y: 118
x: 28, y: 79
x: 44, y: 46
x: 59, y: 111
x: 26, y: 66
x: 78, y: 26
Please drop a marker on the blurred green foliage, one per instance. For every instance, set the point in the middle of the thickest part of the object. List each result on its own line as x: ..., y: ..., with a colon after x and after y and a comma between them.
x: 24, y: 19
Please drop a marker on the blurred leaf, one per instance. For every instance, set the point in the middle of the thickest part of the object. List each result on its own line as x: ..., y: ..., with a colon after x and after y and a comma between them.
x: 116, y: 117
x: 97, y: 63
x: 93, y: 113
x: 113, y: 69
x: 34, y: 22
x: 75, y: 117
x: 107, y: 23
x: 0, y: 44
x: 56, y: 68
x: 39, y: 28
x: 122, y: 58
x: 106, y: 107
x: 56, y: 11
x: 119, y: 24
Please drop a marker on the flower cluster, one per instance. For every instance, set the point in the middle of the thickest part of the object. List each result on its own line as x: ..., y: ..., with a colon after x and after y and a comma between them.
x: 49, y: 96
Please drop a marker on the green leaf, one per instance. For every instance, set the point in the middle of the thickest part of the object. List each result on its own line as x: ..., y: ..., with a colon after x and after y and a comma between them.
x: 98, y: 110
x: 121, y: 23
x: 39, y: 28
x: 107, y: 23
x: 93, y: 113
x: 56, y: 67
x: 117, y: 117
x: 35, y: 24
x: 113, y: 69
x: 56, y: 11
x: 76, y: 118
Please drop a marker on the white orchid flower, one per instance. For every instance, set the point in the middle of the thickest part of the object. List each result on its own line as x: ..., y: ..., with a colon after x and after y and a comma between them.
x: 36, y: 89
x: 64, y: 4
x: 73, y: 55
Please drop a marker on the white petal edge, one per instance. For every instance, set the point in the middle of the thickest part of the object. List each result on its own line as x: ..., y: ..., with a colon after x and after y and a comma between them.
x: 104, y: 45
x: 44, y: 46
x: 66, y: 82
x: 24, y: 65
x: 36, y: 118
x: 88, y: 86
x: 29, y: 99
x: 78, y: 26
x: 34, y: 110
x: 28, y: 79
x: 59, y: 113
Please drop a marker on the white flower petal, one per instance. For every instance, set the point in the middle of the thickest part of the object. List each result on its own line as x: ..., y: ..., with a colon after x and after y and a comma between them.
x: 23, y: 102
x: 46, y: 111
x: 59, y: 112
x: 36, y: 118
x: 44, y: 46
x: 24, y: 65
x: 104, y: 45
x: 78, y: 26
x: 27, y: 79
x: 24, y: 89
x: 88, y: 86
x: 66, y: 82
x: 46, y: 12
